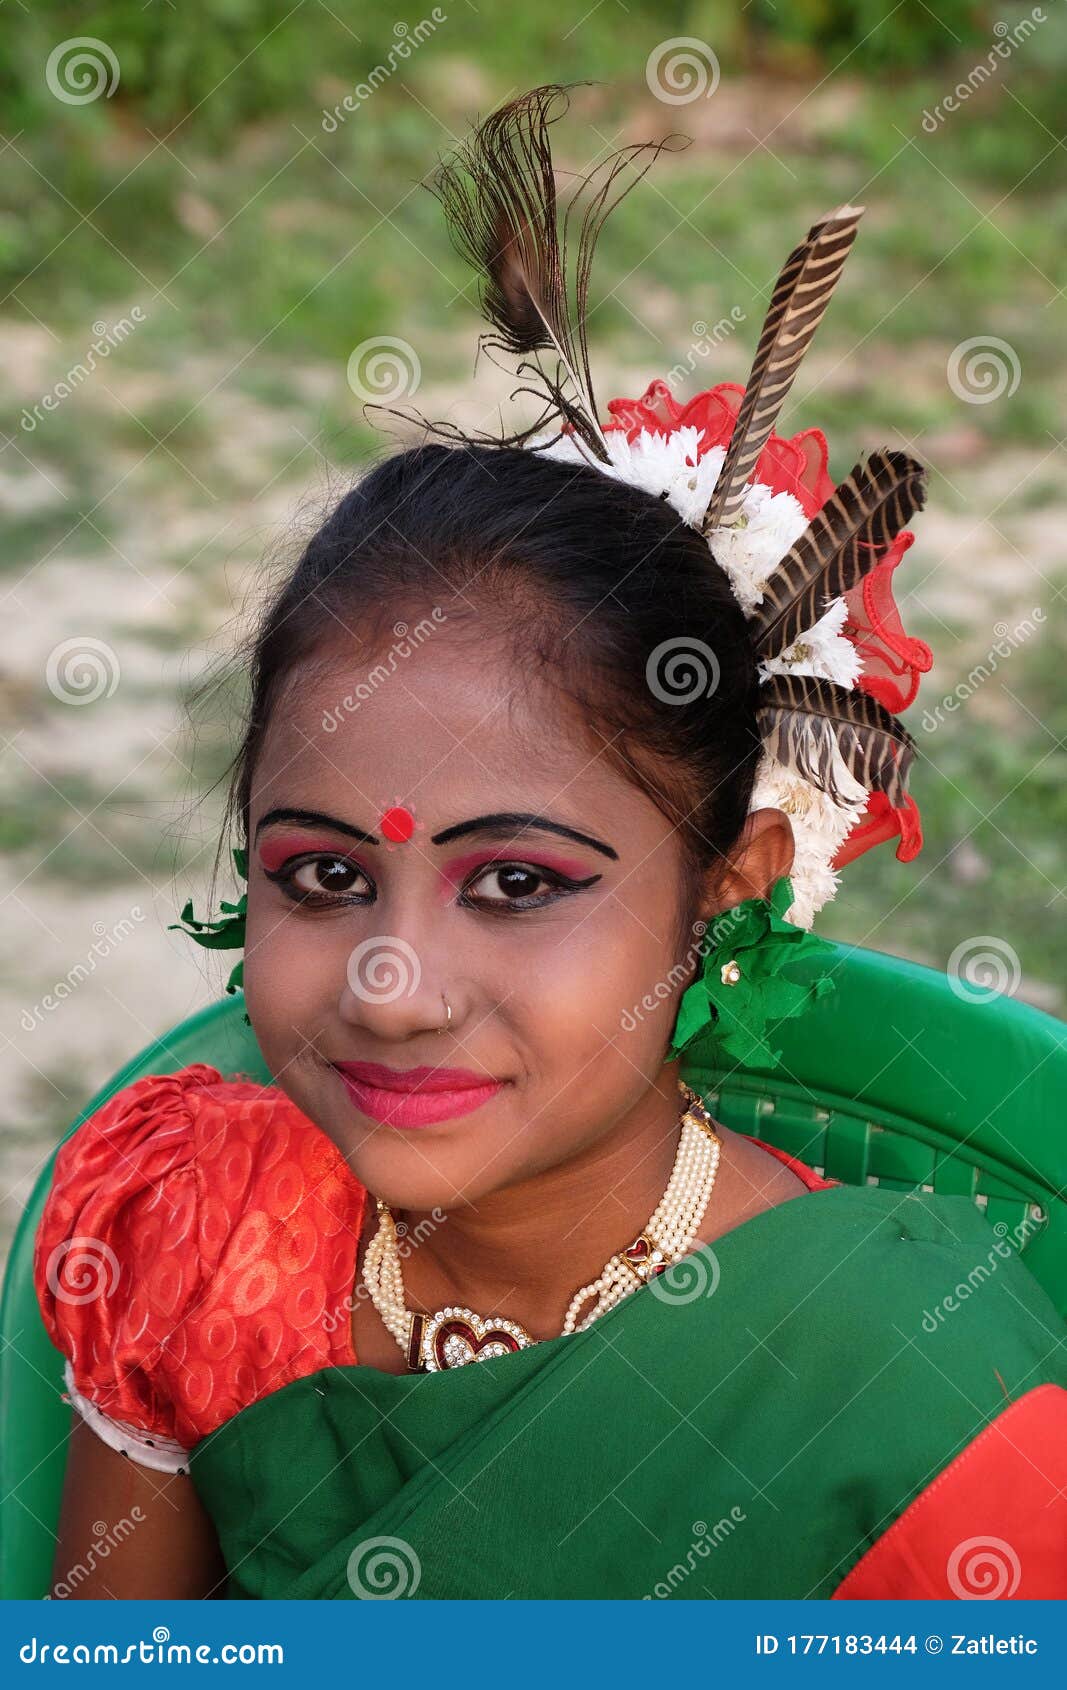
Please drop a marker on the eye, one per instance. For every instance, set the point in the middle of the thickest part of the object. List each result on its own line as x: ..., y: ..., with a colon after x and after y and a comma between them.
x: 319, y: 880
x: 516, y: 886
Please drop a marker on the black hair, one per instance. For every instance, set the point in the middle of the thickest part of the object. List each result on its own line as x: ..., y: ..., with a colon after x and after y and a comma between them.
x: 599, y: 588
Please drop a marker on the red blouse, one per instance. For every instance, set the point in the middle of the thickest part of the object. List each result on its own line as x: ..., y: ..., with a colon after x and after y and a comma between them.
x: 197, y: 1251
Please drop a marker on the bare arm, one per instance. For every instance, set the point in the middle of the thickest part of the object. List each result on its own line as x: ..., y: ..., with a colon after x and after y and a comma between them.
x: 128, y: 1532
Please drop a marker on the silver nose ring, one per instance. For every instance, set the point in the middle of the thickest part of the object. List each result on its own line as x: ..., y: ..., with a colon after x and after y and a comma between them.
x: 448, y: 1006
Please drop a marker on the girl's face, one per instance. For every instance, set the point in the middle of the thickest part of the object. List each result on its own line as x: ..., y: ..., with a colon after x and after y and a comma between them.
x: 456, y: 832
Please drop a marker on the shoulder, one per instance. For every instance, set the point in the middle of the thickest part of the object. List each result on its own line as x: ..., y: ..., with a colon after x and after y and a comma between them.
x: 136, y: 1169
x: 767, y: 1166
x: 910, y: 1304
x: 930, y: 1244
x: 163, y: 1202
x: 951, y: 1274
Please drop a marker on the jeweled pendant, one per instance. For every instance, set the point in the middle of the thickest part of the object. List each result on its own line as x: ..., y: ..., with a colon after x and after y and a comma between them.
x: 454, y: 1337
x: 644, y: 1257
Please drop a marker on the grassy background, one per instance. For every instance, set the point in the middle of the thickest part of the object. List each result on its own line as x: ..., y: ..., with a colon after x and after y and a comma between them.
x: 260, y: 248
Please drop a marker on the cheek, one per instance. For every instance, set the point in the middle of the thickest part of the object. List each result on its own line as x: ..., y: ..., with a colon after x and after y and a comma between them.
x: 610, y: 980
x: 293, y: 970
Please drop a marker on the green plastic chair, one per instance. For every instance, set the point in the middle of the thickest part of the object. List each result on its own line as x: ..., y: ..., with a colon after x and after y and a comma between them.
x: 893, y: 1079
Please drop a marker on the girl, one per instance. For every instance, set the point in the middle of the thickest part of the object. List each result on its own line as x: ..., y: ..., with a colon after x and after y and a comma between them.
x: 476, y: 1299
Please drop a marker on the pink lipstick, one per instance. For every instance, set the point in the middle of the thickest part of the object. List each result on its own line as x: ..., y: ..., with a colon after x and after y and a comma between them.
x: 414, y: 1097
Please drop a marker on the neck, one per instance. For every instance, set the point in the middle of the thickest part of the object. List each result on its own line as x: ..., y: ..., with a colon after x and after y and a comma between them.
x: 524, y: 1251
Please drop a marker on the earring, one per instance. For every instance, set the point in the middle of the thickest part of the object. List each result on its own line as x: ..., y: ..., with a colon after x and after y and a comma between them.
x: 448, y: 1006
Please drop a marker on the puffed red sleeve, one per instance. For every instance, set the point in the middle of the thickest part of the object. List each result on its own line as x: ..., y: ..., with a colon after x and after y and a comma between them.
x: 117, y: 1261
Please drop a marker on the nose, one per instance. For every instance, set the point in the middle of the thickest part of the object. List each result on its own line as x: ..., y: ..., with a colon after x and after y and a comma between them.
x: 392, y: 990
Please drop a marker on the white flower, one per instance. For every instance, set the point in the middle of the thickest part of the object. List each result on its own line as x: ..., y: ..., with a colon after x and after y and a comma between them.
x: 819, y: 828
x: 657, y: 463
x: 751, y: 548
x: 823, y: 650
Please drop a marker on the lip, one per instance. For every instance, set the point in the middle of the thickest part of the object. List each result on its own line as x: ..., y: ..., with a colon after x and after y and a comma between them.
x: 414, y: 1097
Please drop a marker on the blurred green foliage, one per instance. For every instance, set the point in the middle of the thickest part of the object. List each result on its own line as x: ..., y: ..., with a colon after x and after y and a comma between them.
x: 921, y: 36
x: 239, y: 61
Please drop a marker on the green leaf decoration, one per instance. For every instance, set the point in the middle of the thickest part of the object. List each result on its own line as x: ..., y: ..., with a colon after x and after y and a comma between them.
x: 224, y: 932
x: 764, y: 945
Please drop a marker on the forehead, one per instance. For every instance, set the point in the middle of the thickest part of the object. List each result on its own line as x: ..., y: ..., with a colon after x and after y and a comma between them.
x: 448, y: 726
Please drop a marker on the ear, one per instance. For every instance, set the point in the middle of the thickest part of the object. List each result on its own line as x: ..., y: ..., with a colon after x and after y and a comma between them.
x: 764, y: 852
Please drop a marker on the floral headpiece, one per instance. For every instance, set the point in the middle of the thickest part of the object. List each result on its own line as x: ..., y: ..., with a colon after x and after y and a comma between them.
x: 813, y: 576
x: 809, y: 563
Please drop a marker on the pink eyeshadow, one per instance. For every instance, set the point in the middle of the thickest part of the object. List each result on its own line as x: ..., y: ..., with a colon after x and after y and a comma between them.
x: 276, y: 851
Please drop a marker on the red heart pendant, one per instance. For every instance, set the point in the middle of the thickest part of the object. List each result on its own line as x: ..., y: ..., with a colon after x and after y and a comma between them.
x: 454, y: 1337
x: 644, y: 1256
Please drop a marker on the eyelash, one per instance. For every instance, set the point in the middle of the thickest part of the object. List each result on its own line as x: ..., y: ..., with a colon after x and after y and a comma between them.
x: 562, y: 885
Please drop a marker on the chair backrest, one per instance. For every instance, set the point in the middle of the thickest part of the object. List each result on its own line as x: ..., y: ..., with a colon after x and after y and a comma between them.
x: 896, y: 1078
x: 907, y: 1078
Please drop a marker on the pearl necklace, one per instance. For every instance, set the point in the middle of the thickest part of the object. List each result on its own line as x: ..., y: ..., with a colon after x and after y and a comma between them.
x: 452, y: 1337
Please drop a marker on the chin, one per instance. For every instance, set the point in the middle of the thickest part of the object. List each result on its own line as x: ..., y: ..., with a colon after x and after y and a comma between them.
x: 420, y: 1178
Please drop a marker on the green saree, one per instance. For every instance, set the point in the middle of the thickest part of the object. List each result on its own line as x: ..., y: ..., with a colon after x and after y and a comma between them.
x: 753, y: 1435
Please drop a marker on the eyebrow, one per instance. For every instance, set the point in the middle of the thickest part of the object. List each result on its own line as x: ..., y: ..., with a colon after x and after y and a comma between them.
x: 501, y: 825
x: 506, y: 822
x: 316, y: 818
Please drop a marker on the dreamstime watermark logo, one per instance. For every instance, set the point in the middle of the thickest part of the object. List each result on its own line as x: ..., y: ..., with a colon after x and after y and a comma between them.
x: 383, y: 1569
x: 81, y: 69
x: 407, y: 39
x: 707, y: 339
x: 105, y: 1539
x: 983, y: 1569
x: 681, y: 70
x: 107, y: 940
x: 384, y: 968
x: 144, y: 1653
x: 384, y: 367
x: 1008, y: 38
x: 688, y: 1280
x: 1008, y: 639
x: 664, y: 990
x: 107, y: 336
x: 81, y: 670
x: 407, y: 640
x: 999, y: 1252
x: 408, y: 1239
x: 81, y: 1269
x: 705, y: 1539
x: 984, y: 968
x: 982, y: 369
x: 682, y: 669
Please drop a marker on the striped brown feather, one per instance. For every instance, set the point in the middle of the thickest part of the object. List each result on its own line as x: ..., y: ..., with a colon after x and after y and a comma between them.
x: 841, y: 544
x: 801, y: 295
x: 802, y: 718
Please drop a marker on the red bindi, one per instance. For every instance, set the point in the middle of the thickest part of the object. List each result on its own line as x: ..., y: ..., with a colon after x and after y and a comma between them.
x: 397, y: 824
